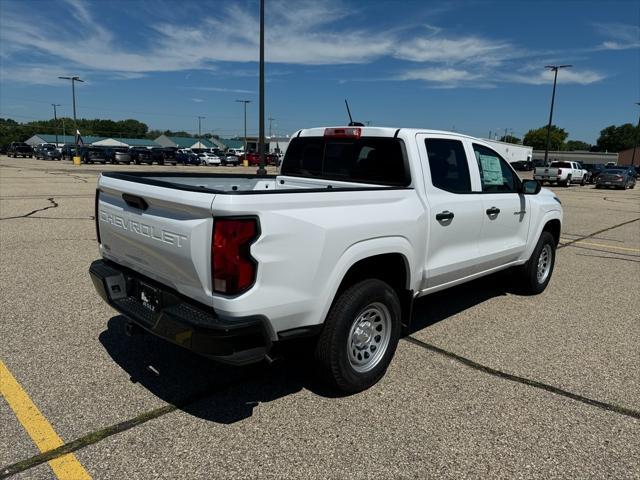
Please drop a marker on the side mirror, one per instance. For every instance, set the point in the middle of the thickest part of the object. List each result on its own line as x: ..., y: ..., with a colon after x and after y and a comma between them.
x: 531, y: 187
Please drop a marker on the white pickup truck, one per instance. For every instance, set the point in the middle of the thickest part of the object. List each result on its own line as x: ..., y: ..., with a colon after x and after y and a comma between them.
x: 562, y: 173
x: 359, y: 222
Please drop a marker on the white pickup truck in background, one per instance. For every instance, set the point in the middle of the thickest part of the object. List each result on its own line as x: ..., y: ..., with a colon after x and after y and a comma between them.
x: 562, y: 173
x: 359, y: 222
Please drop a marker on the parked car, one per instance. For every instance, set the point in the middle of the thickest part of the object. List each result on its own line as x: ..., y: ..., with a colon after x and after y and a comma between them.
x: 168, y: 155
x: 95, y: 154
x: 562, y: 173
x: 522, y: 165
x: 207, y: 158
x: 616, y: 178
x: 47, y: 151
x: 594, y: 170
x: 19, y: 149
x: 269, y: 158
x: 185, y: 157
x: 632, y: 170
x: 120, y: 155
x: 141, y: 155
x: 230, y: 159
x: 336, y: 247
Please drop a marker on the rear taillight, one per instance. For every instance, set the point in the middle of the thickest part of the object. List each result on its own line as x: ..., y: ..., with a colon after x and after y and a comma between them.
x: 559, y: 171
x: 346, y: 132
x: 233, y: 270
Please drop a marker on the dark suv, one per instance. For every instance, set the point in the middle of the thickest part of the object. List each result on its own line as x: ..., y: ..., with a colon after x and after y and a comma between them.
x: 47, y: 151
x: 19, y: 149
x: 95, y: 154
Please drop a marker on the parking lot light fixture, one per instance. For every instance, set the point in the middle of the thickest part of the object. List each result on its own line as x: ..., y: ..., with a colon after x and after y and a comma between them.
x: 200, y: 118
x: 245, y: 124
x: 554, y: 69
x: 261, y: 169
x: 73, y: 95
x: 55, y: 120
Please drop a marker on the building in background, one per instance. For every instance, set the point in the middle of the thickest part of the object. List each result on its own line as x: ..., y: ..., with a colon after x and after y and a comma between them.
x: 511, y: 152
x: 188, y: 142
x: 625, y: 157
x: 125, y: 142
x: 39, y: 138
x: 584, y: 157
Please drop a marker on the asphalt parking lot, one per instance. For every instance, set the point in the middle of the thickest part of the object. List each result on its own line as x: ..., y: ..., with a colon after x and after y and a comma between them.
x: 487, y: 384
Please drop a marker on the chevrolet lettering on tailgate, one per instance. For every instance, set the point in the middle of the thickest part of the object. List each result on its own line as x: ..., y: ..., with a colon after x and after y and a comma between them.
x: 143, y: 229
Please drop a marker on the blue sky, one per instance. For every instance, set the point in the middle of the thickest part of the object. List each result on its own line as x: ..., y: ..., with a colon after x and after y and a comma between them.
x: 470, y: 66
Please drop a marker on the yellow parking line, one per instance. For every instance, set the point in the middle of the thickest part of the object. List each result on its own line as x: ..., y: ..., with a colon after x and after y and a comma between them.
x: 38, y: 428
x: 581, y: 242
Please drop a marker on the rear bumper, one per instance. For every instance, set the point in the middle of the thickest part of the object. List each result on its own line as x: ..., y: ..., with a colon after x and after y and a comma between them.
x: 236, y: 341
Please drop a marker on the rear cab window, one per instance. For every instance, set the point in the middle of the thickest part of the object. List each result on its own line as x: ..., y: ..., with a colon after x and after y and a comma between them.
x: 375, y: 160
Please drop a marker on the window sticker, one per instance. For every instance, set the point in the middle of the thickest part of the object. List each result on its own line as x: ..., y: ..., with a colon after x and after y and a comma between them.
x: 491, y: 170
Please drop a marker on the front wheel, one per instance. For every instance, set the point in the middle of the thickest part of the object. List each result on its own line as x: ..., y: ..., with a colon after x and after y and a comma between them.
x: 536, y: 273
x: 360, y: 336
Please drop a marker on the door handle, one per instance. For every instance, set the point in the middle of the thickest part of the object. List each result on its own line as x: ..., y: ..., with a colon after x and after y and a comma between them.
x: 493, y: 211
x: 446, y: 215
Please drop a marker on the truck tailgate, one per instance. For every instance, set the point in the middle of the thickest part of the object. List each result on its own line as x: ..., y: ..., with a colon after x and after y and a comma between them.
x: 159, y: 232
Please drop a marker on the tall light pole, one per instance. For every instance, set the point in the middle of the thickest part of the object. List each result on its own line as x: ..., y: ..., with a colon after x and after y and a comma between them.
x: 635, y: 145
x: 200, y: 118
x: 245, y: 124
x: 73, y: 94
x: 554, y: 69
x: 261, y: 169
x: 55, y: 120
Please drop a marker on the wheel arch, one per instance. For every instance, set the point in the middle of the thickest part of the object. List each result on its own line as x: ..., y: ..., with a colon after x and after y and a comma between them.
x: 386, y: 259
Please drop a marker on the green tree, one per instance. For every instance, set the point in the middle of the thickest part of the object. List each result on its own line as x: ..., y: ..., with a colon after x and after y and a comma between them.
x: 577, y: 145
x: 618, y: 138
x: 510, y: 139
x: 537, y: 138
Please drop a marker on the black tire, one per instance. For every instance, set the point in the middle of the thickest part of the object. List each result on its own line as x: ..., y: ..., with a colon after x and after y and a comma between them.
x: 582, y: 182
x: 531, y: 283
x: 568, y: 182
x: 332, y: 353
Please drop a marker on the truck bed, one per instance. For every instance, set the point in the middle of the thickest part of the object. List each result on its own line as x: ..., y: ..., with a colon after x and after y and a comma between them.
x: 220, y: 183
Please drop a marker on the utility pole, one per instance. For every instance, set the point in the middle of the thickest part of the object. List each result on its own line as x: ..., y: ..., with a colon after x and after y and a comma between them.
x: 271, y: 119
x: 245, y: 124
x: 55, y: 120
x: 200, y: 118
x: 73, y: 94
x: 554, y: 69
x: 261, y: 169
x: 635, y: 144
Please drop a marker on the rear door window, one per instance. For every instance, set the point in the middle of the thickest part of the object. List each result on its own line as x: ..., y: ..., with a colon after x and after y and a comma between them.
x: 448, y: 165
x: 377, y: 160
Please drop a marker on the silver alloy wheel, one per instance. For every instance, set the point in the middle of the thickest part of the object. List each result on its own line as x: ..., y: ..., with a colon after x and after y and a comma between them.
x: 544, y: 263
x: 369, y: 337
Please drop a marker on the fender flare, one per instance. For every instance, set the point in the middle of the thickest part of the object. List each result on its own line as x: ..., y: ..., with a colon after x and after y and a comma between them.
x: 361, y: 251
x: 550, y: 215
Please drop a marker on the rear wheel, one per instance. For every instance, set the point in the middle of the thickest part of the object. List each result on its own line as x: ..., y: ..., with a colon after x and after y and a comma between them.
x: 536, y: 273
x: 360, y: 336
x: 583, y: 181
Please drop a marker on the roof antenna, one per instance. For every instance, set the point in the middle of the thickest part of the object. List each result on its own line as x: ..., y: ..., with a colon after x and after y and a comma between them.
x: 351, y: 122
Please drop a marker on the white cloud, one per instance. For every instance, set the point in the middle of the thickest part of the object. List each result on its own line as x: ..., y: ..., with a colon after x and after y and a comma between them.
x: 443, y: 75
x: 447, y: 50
x: 313, y: 33
x: 621, y: 36
x: 581, y: 77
